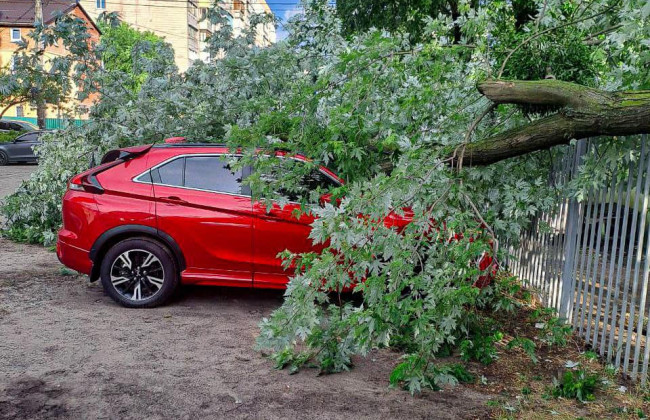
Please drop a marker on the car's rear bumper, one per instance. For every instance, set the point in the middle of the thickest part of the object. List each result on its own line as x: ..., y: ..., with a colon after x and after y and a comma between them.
x: 72, y: 256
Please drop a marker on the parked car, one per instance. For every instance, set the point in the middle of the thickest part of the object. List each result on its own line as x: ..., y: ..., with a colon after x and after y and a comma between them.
x: 21, y: 149
x: 151, y: 217
x: 15, y: 125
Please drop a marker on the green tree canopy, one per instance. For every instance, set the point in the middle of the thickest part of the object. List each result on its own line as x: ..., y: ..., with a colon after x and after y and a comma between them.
x: 411, y: 15
x: 124, y: 49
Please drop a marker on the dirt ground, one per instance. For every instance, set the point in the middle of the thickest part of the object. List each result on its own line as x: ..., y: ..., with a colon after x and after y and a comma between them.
x: 68, y: 351
x: 12, y: 175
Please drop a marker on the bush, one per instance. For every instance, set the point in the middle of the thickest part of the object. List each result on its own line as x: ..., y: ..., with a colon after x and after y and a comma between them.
x: 8, y: 136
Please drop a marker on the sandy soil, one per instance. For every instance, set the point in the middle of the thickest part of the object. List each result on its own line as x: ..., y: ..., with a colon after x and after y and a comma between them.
x: 68, y: 351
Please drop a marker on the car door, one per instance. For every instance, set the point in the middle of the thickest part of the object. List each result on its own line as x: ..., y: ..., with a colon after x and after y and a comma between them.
x: 22, y: 147
x: 202, y: 204
x: 278, y: 229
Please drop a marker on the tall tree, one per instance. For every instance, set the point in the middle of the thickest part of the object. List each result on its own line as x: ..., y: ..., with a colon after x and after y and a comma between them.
x: 125, y: 49
x: 33, y: 79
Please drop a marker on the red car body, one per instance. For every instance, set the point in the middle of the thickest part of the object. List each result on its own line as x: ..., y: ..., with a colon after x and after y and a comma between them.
x: 216, y: 238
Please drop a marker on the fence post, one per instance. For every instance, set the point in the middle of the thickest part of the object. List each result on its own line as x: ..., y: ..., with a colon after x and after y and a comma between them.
x: 570, y: 240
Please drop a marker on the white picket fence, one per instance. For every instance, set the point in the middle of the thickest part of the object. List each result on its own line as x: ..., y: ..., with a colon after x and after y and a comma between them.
x: 591, y: 261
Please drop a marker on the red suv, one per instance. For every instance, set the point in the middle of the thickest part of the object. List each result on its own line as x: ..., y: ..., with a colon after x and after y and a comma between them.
x: 151, y: 217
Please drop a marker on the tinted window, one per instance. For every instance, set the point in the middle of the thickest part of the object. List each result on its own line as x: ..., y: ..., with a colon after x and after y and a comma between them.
x: 145, y: 177
x: 317, y: 179
x: 172, y: 173
x: 29, y: 137
x: 4, y: 125
x: 212, y: 174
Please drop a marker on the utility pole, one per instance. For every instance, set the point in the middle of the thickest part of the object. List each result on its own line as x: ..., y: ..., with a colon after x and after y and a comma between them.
x: 40, y: 103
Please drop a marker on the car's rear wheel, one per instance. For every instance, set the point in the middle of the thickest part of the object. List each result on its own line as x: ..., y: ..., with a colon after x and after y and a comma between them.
x: 139, y: 273
x: 4, y: 158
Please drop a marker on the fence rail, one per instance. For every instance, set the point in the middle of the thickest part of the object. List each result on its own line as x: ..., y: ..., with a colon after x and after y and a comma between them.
x: 50, y: 123
x: 590, y: 260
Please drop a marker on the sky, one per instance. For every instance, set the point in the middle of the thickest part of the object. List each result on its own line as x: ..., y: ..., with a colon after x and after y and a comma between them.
x: 284, y: 9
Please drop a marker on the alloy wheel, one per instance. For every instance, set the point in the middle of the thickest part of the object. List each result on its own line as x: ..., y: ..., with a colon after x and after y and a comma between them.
x: 137, y: 274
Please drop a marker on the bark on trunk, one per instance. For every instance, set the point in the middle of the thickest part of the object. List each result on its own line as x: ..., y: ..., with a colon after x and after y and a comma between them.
x: 584, y: 112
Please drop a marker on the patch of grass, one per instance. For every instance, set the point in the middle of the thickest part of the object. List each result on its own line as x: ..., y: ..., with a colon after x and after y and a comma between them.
x: 480, y: 348
x: 461, y: 373
x: 526, y: 344
x: 523, y: 389
x: 576, y: 384
x: 66, y: 272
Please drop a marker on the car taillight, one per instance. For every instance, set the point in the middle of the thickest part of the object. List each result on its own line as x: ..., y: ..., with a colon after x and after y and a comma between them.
x: 86, y: 182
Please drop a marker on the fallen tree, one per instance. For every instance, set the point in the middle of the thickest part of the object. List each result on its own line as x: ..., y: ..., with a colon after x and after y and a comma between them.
x: 582, y: 112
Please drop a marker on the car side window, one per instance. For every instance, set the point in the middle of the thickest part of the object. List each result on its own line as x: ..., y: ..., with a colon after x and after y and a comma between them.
x: 27, y: 138
x: 209, y: 173
x: 171, y: 173
x: 213, y: 174
x: 317, y: 179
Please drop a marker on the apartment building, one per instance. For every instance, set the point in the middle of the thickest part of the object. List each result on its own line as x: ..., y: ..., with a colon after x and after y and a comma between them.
x: 16, y: 22
x: 181, y: 22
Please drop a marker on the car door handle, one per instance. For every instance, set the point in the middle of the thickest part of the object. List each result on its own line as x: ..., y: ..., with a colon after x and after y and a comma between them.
x: 175, y: 198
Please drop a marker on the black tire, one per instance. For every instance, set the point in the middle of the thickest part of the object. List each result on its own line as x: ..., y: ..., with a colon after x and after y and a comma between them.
x: 132, y: 285
x: 4, y: 158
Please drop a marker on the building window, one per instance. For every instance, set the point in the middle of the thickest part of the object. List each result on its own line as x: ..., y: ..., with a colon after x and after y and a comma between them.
x: 20, y: 111
x: 192, y: 32
x: 15, y: 35
x: 101, y: 4
x: 12, y: 63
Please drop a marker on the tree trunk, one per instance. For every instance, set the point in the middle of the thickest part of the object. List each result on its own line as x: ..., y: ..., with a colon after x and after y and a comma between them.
x: 41, y: 109
x: 583, y: 112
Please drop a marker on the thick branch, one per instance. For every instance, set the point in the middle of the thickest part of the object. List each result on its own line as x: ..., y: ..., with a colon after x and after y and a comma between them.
x: 10, y: 104
x: 543, y: 92
x: 585, y: 112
